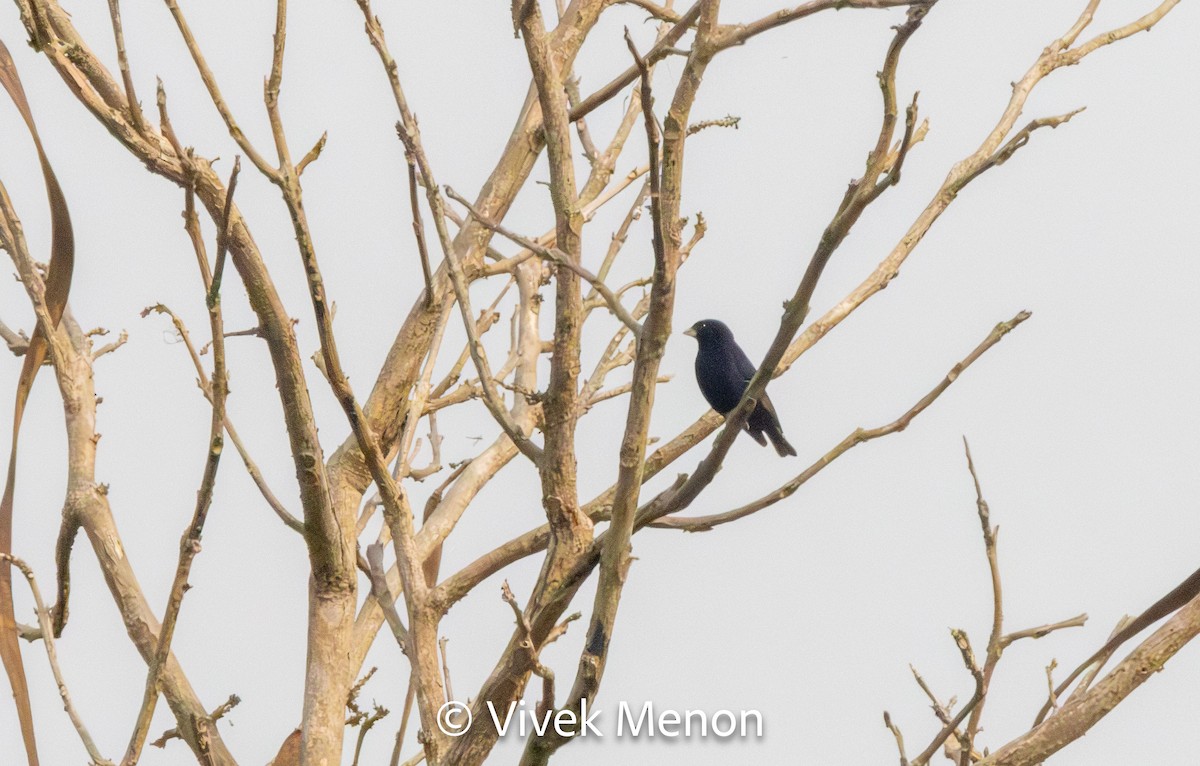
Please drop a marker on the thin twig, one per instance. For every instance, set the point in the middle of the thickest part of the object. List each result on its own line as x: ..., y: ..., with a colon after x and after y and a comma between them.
x: 419, y: 229
x: 1086, y: 680
x: 48, y: 639
x: 660, y: 12
x: 223, y: 233
x: 415, y: 760
x: 446, y: 667
x: 214, y: 92
x: 995, y: 645
x: 108, y: 348
x: 558, y: 257
x: 217, y: 714
x: 256, y: 474
x: 377, y: 713
x: 312, y: 154
x: 16, y: 341
x: 408, y: 703
x: 189, y: 545
x: 1078, y: 621
x: 135, y: 109
x: 381, y: 593
x: 534, y: 651
x: 968, y: 656
x: 662, y: 48
x: 410, y: 136
x: 739, y: 34
x: 895, y: 730
x: 1051, y: 692
x: 939, y: 710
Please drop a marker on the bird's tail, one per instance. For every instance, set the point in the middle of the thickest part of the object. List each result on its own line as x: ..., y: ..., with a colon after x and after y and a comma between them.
x: 756, y: 435
x: 779, y: 443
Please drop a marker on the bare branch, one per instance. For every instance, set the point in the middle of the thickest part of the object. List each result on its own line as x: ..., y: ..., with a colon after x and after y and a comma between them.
x: 108, y: 348
x: 558, y: 257
x: 214, y: 289
x: 419, y: 230
x: 995, y: 645
x: 411, y: 139
x: 1020, y: 139
x: 1075, y: 718
x: 217, y: 714
x: 728, y: 121
x: 135, y: 109
x: 939, y: 710
x: 214, y: 92
x: 739, y: 34
x: 17, y: 341
x: 534, y: 650
x: 656, y: 11
x: 661, y: 50
x: 895, y: 730
x: 383, y: 596
x: 1042, y: 631
x: 570, y: 528
x: 408, y: 703
x: 252, y: 468
x: 446, y: 667
x: 968, y: 656
x: 1085, y: 682
x: 313, y: 154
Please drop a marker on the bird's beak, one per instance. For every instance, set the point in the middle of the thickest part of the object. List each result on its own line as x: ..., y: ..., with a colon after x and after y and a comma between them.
x: 690, y: 332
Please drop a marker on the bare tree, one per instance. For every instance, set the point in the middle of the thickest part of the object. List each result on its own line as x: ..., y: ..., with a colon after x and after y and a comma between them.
x: 535, y: 390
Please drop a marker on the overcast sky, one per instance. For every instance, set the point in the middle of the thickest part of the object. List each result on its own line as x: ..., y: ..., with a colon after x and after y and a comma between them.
x: 1083, y: 422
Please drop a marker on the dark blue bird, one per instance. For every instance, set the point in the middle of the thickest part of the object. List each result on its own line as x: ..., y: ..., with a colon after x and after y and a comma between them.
x: 723, y: 371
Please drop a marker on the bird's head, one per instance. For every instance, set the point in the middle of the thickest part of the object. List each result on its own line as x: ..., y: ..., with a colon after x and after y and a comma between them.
x: 709, y: 330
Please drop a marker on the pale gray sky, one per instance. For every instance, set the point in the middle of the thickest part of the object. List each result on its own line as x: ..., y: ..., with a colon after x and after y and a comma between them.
x: 1083, y: 422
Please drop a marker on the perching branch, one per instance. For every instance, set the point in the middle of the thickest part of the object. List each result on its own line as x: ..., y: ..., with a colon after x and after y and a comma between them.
x: 855, y: 438
x: 861, y: 193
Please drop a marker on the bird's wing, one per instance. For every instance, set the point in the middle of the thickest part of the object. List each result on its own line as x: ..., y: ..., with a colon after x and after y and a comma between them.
x: 745, y: 367
x: 764, y: 403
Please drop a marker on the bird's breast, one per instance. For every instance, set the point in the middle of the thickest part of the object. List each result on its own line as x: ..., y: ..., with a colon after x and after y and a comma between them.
x: 720, y: 383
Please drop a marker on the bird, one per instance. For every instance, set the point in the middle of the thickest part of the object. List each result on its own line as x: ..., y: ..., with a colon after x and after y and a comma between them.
x: 723, y: 371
